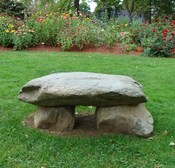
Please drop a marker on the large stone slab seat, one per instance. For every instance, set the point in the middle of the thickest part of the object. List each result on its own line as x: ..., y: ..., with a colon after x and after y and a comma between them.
x: 57, y: 94
x: 82, y: 88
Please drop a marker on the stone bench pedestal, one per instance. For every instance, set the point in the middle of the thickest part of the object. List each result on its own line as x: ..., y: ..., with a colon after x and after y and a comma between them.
x: 119, y: 119
x: 119, y: 101
x: 125, y: 119
x: 59, y: 118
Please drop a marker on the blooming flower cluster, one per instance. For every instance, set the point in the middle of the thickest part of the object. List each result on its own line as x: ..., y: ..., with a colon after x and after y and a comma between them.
x: 67, y: 30
x: 157, y: 38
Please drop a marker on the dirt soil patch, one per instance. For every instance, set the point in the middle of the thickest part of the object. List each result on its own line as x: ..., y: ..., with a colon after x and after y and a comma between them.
x: 115, y: 49
x: 85, y: 125
x: 5, y: 49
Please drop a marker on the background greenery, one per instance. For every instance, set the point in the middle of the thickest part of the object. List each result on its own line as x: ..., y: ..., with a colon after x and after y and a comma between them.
x: 66, y: 31
x: 69, y: 24
x: 148, y: 8
x: 23, y: 147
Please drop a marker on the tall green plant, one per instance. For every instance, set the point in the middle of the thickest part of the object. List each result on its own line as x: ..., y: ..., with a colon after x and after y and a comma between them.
x: 7, y: 28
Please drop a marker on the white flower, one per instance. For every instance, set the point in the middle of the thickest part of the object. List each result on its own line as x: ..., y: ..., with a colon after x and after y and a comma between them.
x: 172, y: 144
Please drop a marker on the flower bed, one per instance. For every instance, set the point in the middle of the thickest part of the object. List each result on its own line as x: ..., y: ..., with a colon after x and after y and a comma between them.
x: 68, y: 31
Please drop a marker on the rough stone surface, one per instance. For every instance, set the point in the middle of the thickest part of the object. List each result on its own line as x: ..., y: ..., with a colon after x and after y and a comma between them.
x: 82, y: 88
x: 59, y: 118
x: 125, y: 119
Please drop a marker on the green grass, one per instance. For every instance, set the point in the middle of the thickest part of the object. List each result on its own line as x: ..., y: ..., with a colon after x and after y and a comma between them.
x: 23, y: 147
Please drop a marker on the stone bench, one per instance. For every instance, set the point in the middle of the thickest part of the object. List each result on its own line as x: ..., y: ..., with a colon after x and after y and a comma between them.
x: 119, y: 101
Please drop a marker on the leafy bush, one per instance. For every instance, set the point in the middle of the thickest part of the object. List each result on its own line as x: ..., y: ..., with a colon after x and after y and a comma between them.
x: 62, y: 30
x: 87, y: 31
x: 22, y: 38
x: 14, y: 33
x: 157, y: 38
x: 69, y: 31
x: 7, y: 28
x: 46, y: 28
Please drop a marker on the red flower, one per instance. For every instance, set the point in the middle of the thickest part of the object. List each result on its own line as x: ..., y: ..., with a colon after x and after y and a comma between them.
x: 159, y: 48
x: 172, y: 50
x: 164, y: 32
x: 164, y: 38
x: 164, y: 35
x: 173, y: 21
x: 150, y: 46
x: 154, y: 30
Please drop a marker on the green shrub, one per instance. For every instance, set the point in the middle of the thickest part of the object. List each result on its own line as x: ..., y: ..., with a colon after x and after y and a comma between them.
x: 6, y: 39
x: 7, y: 28
x: 46, y: 28
x: 14, y: 33
x: 22, y: 38
x: 69, y: 31
x: 157, y: 38
x: 79, y: 32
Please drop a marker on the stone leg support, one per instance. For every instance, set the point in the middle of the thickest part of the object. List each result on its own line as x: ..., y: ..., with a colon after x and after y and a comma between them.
x: 125, y: 119
x: 58, y: 118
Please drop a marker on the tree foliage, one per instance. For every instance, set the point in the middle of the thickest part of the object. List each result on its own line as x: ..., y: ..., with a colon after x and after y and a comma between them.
x: 12, y: 8
x: 162, y: 7
x: 84, y: 7
x: 149, y: 8
x: 108, y: 7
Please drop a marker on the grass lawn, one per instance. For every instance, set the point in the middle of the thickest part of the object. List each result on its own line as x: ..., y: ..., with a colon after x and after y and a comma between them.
x: 23, y: 147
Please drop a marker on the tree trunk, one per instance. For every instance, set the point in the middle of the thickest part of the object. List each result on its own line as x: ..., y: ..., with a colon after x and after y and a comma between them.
x: 77, y: 7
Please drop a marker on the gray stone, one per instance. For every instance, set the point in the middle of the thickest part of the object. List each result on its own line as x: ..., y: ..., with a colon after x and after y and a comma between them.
x: 125, y: 119
x: 82, y: 88
x: 58, y: 118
